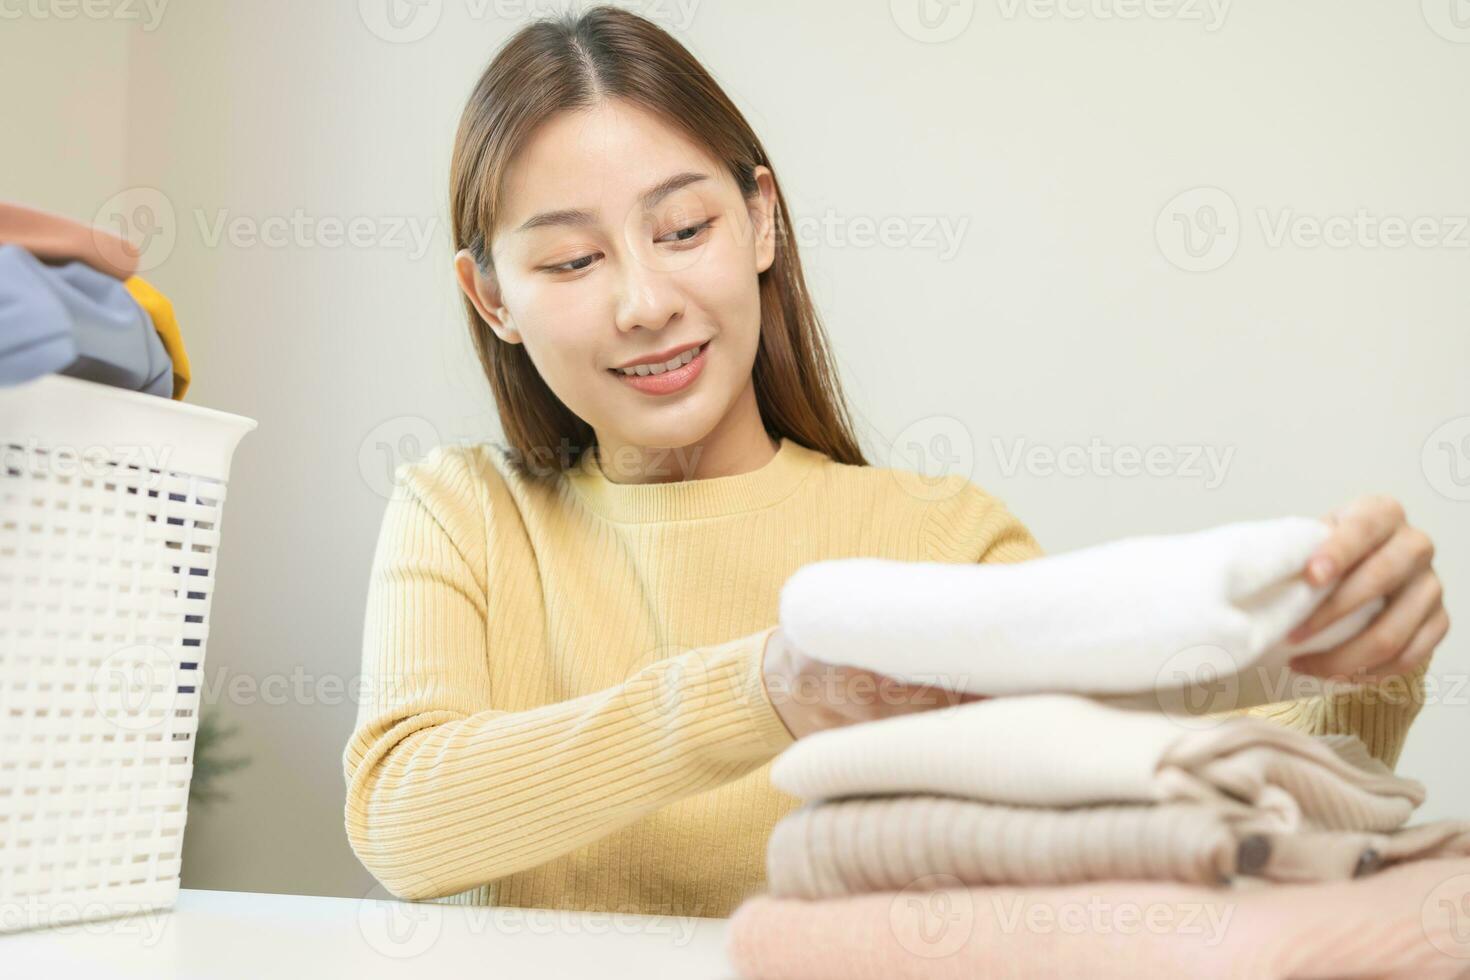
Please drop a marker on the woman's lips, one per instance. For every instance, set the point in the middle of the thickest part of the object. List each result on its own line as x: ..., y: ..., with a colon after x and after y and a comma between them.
x: 670, y: 381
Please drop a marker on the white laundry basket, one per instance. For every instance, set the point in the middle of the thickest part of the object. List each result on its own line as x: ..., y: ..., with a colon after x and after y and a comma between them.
x: 109, y: 529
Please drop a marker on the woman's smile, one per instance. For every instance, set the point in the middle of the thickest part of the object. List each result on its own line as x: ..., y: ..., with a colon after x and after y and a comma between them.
x: 669, y: 381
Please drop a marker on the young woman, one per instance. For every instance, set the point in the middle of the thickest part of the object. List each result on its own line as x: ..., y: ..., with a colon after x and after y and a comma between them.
x: 574, y: 677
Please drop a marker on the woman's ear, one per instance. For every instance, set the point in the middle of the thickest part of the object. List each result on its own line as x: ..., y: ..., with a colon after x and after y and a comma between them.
x: 484, y: 291
x: 762, y: 208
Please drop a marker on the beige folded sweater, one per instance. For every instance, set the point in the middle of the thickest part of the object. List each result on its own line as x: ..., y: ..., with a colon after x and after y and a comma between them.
x: 886, y: 843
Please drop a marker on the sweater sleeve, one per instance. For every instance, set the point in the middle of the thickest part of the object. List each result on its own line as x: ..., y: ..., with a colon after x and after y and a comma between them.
x: 444, y: 793
x: 1379, y: 714
x: 967, y: 524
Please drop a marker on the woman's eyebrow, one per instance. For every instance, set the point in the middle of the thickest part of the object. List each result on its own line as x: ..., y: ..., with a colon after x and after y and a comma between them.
x: 583, y: 216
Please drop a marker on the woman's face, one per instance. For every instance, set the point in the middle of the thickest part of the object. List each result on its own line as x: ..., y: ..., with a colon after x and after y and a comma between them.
x: 620, y: 239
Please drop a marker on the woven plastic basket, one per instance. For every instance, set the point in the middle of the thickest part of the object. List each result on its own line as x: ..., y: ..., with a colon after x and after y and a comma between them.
x: 110, y: 504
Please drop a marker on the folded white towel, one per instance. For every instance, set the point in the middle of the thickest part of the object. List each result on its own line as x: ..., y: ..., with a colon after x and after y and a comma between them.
x: 1127, y: 618
x: 1060, y: 750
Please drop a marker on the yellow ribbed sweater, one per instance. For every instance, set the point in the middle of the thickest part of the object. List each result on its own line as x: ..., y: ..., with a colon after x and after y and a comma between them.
x: 562, y: 704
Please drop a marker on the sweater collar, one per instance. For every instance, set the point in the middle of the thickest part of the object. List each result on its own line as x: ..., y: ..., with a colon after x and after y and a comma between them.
x: 682, y: 500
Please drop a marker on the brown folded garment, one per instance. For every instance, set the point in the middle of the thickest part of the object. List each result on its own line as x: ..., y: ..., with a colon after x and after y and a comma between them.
x: 54, y: 238
x: 881, y: 843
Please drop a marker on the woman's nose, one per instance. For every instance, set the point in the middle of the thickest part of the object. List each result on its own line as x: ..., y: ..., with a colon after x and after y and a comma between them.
x: 650, y: 297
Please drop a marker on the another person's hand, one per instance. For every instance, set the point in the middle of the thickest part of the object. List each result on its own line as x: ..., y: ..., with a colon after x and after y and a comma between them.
x: 811, y: 695
x: 1374, y: 552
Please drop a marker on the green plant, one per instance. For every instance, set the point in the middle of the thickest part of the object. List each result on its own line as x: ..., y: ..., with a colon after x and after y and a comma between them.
x: 209, y: 766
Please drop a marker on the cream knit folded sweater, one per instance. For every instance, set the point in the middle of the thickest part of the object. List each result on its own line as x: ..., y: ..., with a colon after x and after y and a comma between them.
x: 1065, y: 750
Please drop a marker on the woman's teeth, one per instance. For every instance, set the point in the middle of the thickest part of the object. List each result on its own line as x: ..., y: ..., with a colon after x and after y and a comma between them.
x: 677, y: 362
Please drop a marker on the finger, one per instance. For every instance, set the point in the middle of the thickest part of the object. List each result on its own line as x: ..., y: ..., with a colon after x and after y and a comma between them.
x: 1407, y: 552
x: 900, y: 696
x: 919, y: 696
x: 1385, y: 637
x: 1359, y: 529
x: 1419, y: 649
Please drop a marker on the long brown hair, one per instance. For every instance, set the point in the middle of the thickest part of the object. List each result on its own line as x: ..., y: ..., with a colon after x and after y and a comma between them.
x: 572, y: 62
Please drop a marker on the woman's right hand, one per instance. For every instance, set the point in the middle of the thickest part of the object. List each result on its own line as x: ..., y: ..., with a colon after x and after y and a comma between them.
x: 811, y: 695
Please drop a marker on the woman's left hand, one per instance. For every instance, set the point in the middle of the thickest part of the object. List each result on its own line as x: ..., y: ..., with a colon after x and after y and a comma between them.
x: 1374, y: 552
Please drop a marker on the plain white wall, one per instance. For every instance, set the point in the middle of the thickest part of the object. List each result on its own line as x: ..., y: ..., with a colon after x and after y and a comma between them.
x: 64, y: 112
x: 1063, y: 149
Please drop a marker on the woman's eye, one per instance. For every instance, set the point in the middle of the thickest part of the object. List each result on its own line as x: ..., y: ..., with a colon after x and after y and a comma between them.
x: 692, y: 231
x: 570, y: 266
x: 677, y: 237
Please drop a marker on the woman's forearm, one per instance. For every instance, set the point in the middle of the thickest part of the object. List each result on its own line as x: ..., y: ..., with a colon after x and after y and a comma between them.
x: 443, y: 791
x: 438, y: 802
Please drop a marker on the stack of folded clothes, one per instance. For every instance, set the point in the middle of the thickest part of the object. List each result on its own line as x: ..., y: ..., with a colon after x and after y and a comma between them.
x: 71, y: 304
x: 1059, y: 831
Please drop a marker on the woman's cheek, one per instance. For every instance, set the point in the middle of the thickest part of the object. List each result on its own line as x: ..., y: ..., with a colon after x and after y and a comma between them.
x: 558, y: 314
x: 724, y: 280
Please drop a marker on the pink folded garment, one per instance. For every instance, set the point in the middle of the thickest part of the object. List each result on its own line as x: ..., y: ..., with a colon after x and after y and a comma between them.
x: 1408, y: 921
x: 882, y: 843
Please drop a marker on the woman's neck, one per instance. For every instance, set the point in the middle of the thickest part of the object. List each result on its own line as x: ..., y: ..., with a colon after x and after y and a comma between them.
x: 739, y: 444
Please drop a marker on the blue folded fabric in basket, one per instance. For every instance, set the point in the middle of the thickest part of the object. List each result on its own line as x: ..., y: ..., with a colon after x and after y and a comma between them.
x: 71, y: 319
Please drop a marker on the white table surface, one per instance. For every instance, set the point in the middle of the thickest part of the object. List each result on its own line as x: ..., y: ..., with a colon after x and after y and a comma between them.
x: 223, y: 934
